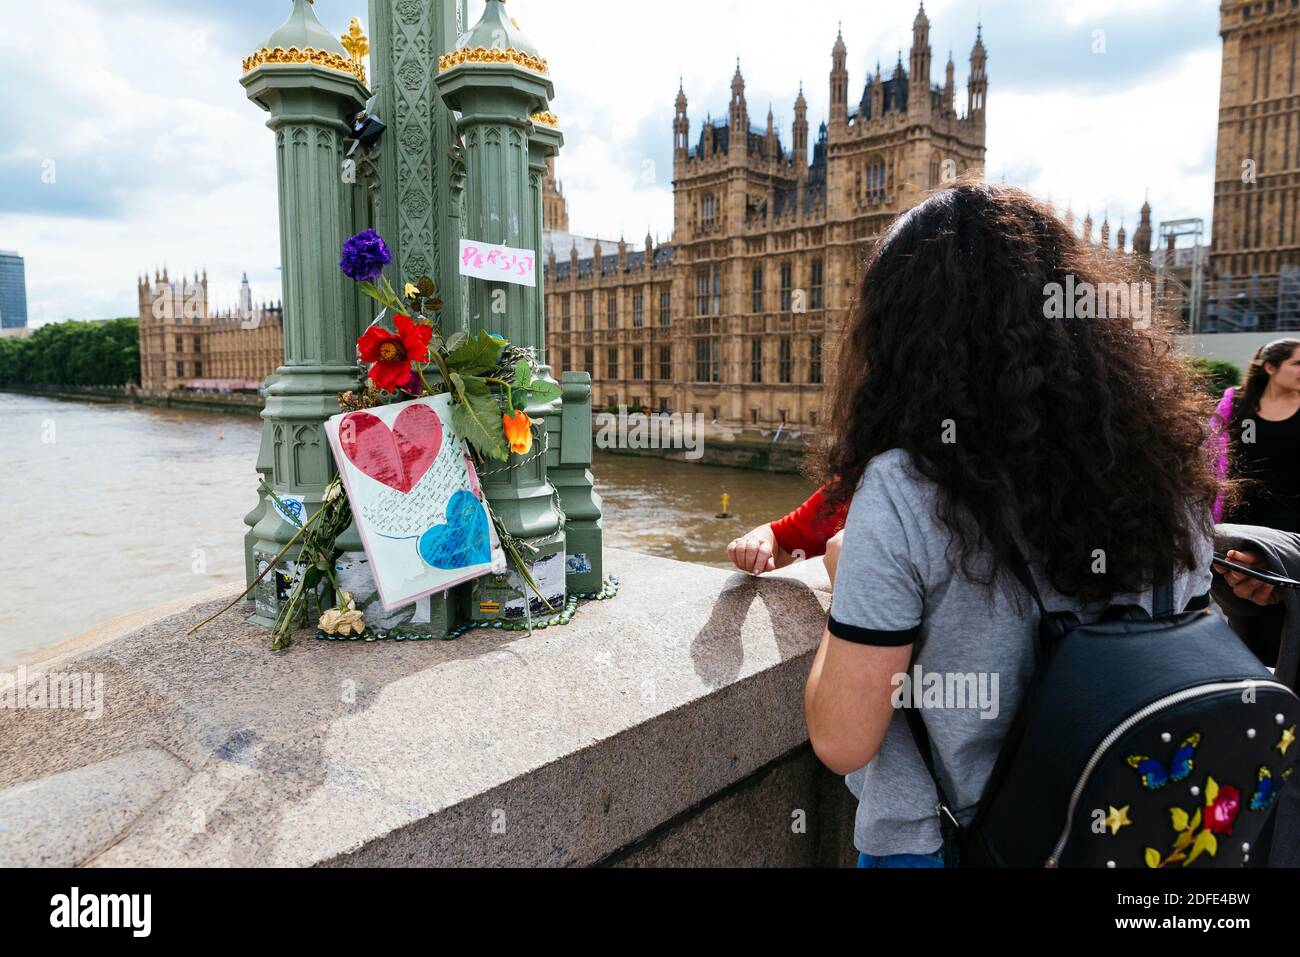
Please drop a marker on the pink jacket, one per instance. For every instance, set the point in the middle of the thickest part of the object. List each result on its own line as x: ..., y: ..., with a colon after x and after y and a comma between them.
x: 1220, y: 424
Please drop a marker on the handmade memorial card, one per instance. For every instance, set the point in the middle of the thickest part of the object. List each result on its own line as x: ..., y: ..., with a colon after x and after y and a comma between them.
x: 415, y: 498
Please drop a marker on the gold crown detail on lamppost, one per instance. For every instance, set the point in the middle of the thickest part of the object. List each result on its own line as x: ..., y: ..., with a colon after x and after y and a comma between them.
x: 303, y: 40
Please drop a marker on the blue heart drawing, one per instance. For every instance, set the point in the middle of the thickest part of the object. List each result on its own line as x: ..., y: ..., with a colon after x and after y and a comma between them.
x: 463, y: 541
x: 291, y: 511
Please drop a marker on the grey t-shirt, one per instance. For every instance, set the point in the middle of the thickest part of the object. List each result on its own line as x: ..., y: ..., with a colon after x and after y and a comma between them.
x: 895, y: 586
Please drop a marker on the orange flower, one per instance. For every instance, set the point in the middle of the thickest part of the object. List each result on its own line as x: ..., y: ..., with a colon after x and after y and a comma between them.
x: 519, y: 431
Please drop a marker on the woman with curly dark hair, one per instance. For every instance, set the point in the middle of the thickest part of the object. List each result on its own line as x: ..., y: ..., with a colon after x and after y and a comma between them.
x: 981, y: 413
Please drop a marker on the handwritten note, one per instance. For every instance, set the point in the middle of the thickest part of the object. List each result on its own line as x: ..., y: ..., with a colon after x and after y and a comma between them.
x: 424, y: 526
x: 498, y: 263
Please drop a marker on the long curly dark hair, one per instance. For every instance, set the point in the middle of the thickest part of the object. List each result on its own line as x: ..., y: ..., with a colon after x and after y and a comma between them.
x: 1085, y: 434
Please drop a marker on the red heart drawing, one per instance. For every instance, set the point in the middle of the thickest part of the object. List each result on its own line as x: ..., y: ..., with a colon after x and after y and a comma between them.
x: 399, y: 456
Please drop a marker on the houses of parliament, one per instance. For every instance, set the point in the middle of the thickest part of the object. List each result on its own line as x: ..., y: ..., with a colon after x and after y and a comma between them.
x: 184, y: 344
x: 737, y: 317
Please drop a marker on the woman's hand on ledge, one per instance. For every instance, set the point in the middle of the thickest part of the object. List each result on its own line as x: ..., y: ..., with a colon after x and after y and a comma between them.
x: 757, y: 552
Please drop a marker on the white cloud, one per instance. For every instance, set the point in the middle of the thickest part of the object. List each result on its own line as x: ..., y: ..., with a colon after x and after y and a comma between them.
x: 151, y: 123
x: 161, y: 158
x: 1101, y: 152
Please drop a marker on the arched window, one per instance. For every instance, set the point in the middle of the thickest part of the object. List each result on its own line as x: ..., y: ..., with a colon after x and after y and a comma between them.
x: 876, y: 180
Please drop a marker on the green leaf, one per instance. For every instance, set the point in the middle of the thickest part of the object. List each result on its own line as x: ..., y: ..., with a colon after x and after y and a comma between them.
x: 477, y: 417
x: 544, y: 391
x: 476, y: 355
x: 523, y: 375
x: 381, y: 296
x: 391, y: 292
x: 1180, y: 818
x: 1152, y: 857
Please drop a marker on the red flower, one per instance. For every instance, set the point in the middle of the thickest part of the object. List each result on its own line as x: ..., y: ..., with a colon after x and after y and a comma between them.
x: 390, y: 354
x: 1222, y: 811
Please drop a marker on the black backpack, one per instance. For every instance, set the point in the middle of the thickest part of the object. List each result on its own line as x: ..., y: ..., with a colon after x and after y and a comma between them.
x: 1141, y: 741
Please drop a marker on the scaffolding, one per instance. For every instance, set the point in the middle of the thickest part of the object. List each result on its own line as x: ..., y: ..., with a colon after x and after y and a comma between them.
x: 1255, y: 303
x: 1171, y: 260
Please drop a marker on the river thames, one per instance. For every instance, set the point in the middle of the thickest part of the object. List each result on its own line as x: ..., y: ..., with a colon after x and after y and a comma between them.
x: 110, y: 509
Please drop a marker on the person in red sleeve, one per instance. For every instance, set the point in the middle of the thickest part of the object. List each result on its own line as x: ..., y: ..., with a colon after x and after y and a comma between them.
x: 812, y: 529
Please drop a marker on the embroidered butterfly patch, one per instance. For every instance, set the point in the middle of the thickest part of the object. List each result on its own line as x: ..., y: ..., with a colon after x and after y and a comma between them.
x: 1156, y: 775
x: 1267, y: 790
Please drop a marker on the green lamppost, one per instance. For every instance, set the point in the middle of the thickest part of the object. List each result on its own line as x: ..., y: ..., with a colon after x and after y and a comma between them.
x: 312, y: 88
x: 568, y: 460
x: 497, y: 80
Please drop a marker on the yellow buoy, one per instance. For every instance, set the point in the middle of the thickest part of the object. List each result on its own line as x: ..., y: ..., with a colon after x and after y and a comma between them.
x: 726, y: 506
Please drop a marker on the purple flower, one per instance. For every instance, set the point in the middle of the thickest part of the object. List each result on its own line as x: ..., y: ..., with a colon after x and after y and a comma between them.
x: 364, y: 257
x: 414, y: 385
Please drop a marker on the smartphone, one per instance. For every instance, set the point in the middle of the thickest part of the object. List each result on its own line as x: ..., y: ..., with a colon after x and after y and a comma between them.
x: 1259, y: 574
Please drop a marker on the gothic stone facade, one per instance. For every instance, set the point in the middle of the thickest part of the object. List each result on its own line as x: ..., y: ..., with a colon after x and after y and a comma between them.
x: 1257, y: 175
x: 738, y: 317
x: 185, y: 345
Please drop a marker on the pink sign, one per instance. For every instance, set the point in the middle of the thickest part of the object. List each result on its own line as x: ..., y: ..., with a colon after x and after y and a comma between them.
x: 498, y: 263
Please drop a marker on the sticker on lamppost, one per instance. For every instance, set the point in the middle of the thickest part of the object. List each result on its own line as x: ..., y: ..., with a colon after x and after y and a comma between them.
x: 497, y: 263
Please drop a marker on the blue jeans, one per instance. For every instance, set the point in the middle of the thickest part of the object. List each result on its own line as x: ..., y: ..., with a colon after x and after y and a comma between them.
x: 902, y: 860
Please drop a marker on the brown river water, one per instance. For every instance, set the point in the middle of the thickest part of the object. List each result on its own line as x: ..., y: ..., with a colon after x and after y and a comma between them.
x: 109, y: 509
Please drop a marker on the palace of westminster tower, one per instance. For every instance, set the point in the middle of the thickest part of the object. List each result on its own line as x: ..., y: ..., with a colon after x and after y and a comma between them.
x: 737, y: 316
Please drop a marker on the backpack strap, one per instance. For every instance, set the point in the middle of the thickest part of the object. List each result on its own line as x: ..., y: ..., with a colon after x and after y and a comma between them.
x: 950, y: 828
x: 1162, y: 592
x: 1048, y: 623
x: 1020, y: 568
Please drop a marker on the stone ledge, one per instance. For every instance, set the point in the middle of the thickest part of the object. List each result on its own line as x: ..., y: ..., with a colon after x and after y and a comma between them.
x: 498, y: 749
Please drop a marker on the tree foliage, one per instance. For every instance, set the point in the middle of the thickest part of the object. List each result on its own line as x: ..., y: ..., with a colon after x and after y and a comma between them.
x: 1216, y: 374
x: 74, y: 353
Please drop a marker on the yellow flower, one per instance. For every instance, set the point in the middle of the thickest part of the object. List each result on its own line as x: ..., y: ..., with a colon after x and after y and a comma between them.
x: 410, y: 291
x: 352, y: 623
x: 519, y: 431
x: 345, y: 621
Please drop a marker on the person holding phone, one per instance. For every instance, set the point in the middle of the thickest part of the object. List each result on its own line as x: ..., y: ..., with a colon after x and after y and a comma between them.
x: 1257, y: 432
x: 1254, y: 604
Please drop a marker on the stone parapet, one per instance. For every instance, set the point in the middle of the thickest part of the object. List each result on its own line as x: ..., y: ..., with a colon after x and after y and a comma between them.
x: 662, y: 727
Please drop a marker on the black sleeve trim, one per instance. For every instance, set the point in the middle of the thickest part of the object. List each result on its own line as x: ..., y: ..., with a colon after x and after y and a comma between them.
x: 872, y: 636
x: 1199, y: 603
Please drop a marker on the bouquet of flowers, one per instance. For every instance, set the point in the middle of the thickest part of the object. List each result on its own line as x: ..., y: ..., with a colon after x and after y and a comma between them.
x: 408, y: 356
x: 491, y: 383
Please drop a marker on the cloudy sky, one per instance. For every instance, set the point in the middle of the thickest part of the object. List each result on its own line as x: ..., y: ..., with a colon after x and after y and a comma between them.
x: 135, y: 146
